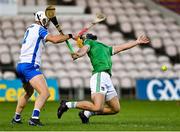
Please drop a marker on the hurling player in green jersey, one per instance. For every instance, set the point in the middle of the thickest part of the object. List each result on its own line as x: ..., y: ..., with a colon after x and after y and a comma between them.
x: 102, y: 89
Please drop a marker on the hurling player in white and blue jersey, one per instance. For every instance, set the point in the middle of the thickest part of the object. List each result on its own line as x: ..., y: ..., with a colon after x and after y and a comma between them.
x: 28, y: 68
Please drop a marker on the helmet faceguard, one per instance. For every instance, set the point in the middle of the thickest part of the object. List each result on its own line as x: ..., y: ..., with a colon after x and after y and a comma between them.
x: 80, y: 39
x: 91, y: 36
x: 41, y: 17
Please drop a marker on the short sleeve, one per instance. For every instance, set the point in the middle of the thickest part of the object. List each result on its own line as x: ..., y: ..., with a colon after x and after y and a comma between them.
x: 111, y: 50
x: 87, y: 42
x: 43, y: 33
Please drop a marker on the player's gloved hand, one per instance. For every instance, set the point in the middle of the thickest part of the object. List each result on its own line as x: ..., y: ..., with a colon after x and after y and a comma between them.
x: 142, y: 39
x: 79, y: 42
x: 74, y: 56
x: 70, y: 35
x: 73, y: 36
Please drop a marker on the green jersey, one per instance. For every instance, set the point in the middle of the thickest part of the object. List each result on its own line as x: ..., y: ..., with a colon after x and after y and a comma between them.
x: 100, y: 56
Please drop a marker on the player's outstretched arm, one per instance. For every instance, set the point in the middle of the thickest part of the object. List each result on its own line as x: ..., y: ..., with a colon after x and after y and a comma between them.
x: 81, y: 52
x: 58, y: 38
x: 140, y: 40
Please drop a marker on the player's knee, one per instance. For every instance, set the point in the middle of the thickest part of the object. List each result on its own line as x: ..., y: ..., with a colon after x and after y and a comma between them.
x: 45, y: 94
x: 116, y: 109
x: 98, y: 109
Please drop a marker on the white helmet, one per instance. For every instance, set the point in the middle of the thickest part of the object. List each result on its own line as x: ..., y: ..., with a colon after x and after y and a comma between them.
x: 41, y: 17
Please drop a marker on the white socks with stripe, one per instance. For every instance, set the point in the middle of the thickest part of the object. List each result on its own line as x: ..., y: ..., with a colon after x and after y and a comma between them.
x: 17, y: 116
x: 35, y: 114
x: 86, y: 113
x: 89, y: 113
x: 71, y: 104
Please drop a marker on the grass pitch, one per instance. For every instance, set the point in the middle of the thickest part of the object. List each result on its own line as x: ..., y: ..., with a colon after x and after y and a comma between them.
x: 134, y: 115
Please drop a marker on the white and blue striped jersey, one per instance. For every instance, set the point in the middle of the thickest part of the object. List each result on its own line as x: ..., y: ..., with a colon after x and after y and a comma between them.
x: 33, y: 44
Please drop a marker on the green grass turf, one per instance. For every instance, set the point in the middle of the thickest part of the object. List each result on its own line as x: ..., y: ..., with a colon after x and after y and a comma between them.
x: 134, y: 115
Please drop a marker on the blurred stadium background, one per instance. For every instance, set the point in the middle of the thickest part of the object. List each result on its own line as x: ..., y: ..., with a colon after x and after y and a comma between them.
x: 126, y: 19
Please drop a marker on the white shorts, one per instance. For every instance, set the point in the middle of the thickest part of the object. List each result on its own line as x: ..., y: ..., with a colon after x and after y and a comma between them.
x: 101, y: 83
